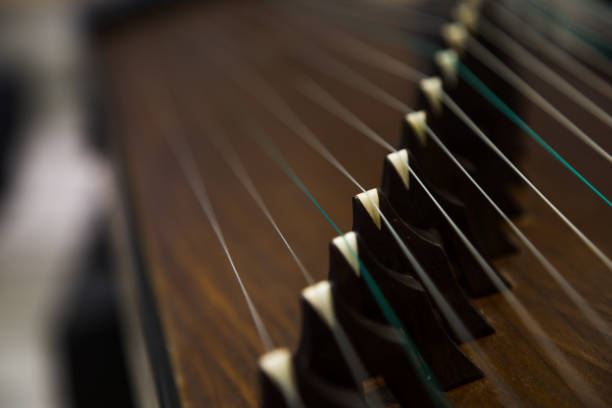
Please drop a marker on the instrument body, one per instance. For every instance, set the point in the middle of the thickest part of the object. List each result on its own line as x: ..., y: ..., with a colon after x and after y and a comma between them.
x: 204, y: 324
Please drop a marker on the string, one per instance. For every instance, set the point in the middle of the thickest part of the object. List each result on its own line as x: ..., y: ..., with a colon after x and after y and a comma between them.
x: 420, y: 21
x: 495, y: 101
x: 398, y: 8
x: 567, y: 372
x: 236, y: 165
x: 274, y: 104
x: 586, y: 8
x: 342, y: 72
x: 257, y: 87
x: 384, y: 97
x: 569, y: 42
x: 512, y: 23
x: 283, y: 113
x: 531, y: 62
x: 187, y: 163
x: 425, y: 374
x: 502, y: 70
x: 455, y: 108
x: 331, y: 66
x: 569, y: 290
x: 479, y: 86
x: 594, y: 9
x: 392, y: 35
x: 558, y: 22
x: 310, y: 88
x: 568, y: 25
x: 327, y: 64
x: 370, y: 55
x: 423, y: 47
x: 357, y: 369
x: 221, y: 142
x: 379, y: 30
x: 323, y: 98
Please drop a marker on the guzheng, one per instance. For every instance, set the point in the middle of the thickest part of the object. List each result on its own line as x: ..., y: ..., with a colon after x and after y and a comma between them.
x: 367, y: 203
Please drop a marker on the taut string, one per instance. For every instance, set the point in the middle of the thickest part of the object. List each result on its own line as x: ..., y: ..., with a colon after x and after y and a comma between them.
x: 425, y: 374
x: 502, y: 70
x: 570, y: 375
x: 428, y: 50
x: 423, y: 371
x: 533, y: 63
x: 323, y: 98
x: 172, y: 132
x: 568, y: 62
x: 221, y: 142
x: 564, y: 39
x: 455, y: 108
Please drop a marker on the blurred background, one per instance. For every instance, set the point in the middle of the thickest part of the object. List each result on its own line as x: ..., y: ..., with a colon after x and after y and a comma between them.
x: 57, y: 309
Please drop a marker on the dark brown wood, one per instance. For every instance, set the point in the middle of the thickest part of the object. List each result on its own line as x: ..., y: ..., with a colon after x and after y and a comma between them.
x: 411, y: 304
x: 428, y: 251
x: 322, y: 374
x: 211, y: 339
x: 416, y: 208
x: 434, y: 164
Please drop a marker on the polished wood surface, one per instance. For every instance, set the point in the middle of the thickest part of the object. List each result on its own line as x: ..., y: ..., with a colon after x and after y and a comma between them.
x: 166, y: 66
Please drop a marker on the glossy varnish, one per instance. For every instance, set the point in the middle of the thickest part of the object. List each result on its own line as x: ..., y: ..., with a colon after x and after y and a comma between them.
x: 168, y: 64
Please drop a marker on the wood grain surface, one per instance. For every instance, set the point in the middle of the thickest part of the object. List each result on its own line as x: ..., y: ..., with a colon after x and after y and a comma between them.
x: 165, y: 73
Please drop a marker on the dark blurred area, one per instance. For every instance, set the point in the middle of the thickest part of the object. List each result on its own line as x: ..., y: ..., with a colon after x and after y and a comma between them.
x: 61, y: 337
x: 89, y: 339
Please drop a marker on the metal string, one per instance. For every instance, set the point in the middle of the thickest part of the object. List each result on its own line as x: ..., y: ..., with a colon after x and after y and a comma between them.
x: 202, y: 193
x: 221, y: 142
x: 457, y: 110
x: 173, y: 135
x: 323, y: 98
x: 564, y: 39
x: 531, y: 62
x: 571, y: 376
x: 577, y: 30
x: 423, y: 371
x: 253, y: 130
x: 256, y: 86
x: 528, y: 35
x: 402, y: 107
x: 473, y: 81
x: 502, y: 70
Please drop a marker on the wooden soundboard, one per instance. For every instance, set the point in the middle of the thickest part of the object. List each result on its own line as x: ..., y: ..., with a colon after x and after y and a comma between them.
x: 202, y: 345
